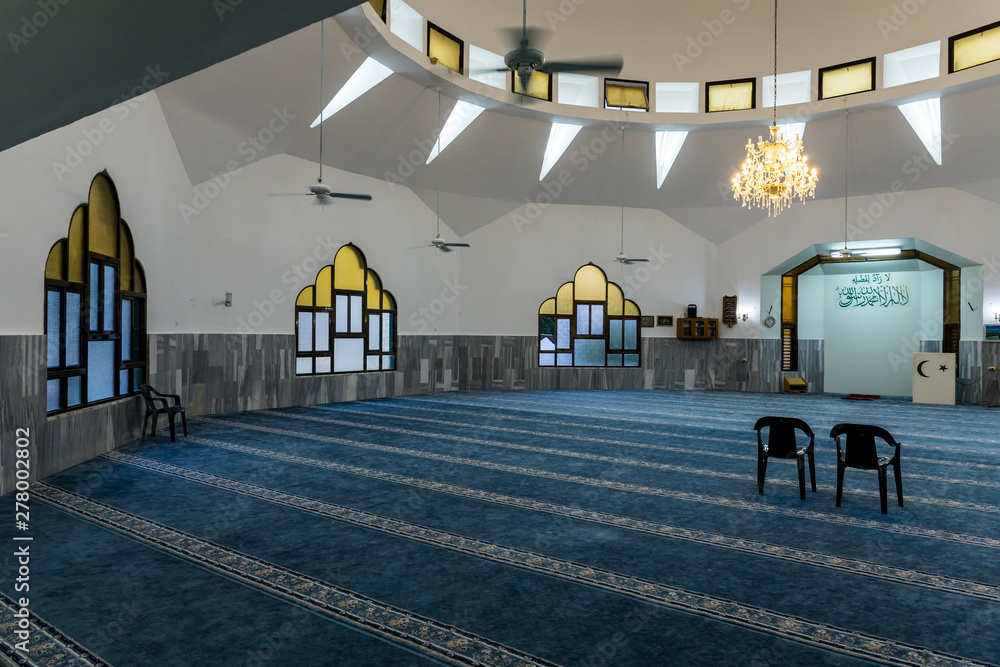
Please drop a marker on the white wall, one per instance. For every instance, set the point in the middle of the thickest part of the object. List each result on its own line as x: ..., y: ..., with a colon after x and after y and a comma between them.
x: 513, y: 267
x: 42, y: 181
x: 866, y: 349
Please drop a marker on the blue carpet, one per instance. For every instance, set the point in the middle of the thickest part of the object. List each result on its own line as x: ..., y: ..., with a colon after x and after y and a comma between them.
x: 528, y: 528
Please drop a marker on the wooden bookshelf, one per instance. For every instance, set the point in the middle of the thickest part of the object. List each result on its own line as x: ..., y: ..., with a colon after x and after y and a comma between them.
x: 697, y: 328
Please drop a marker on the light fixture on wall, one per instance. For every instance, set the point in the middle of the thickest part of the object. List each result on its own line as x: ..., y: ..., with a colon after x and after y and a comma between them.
x: 775, y: 171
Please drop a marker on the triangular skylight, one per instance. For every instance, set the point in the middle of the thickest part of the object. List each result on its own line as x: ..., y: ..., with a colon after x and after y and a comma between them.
x: 925, y: 119
x: 370, y: 74
x: 460, y: 118
x: 668, y: 145
x: 560, y: 137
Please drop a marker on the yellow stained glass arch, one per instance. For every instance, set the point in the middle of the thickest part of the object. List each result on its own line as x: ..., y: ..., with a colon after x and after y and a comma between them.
x: 324, y: 288
x: 349, y: 269
x: 548, y: 307
x: 590, y: 283
x: 564, y: 299
x: 374, y: 295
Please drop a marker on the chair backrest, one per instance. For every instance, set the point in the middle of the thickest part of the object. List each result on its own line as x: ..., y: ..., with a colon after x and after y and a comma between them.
x: 146, y: 396
x: 781, y: 434
x: 859, y: 446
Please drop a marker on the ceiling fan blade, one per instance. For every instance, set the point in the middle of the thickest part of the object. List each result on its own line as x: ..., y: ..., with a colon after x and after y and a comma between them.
x: 456, y: 245
x: 345, y: 195
x: 605, y: 64
x: 537, y: 37
x: 633, y: 261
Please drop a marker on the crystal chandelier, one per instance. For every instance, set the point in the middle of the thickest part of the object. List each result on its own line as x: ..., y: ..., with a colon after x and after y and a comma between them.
x: 775, y: 171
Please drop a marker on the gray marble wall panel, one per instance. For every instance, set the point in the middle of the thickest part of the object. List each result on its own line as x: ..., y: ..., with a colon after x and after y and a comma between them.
x: 57, y: 442
x: 990, y: 384
x: 930, y: 346
x: 722, y: 364
x: 770, y: 366
x: 811, y: 365
x: 219, y: 373
x: 969, y: 387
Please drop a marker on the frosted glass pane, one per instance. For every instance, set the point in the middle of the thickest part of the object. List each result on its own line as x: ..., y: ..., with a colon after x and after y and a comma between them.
x: 123, y: 382
x: 322, y: 332
x: 615, y: 335
x: 323, y: 364
x: 630, y: 334
x: 52, y: 395
x: 94, y: 294
x: 357, y: 314
x: 73, y: 388
x: 126, y: 330
x: 631, y: 359
x: 100, y: 370
x: 109, y: 298
x: 582, y: 320
x: 388, y: 362
x: 597, y: 320
x: 589, y: 352
x: 374, y: 330
x: 614, y: 360
x: 342, y: 314
x: 546, y: 359
x: 304, y: 365
x: 136, y: 378
x: 387, y: 331
x: 305, y: 332
x: 562, y: 334
x: 372, y: 362
x: 348, y: 354
x: 72, y: 329
x: 54, y: 308
x: 564, y: 359
x: 545, y: 344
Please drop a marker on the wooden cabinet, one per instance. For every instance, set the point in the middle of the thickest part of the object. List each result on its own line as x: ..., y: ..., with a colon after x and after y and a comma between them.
x: 697, y: 327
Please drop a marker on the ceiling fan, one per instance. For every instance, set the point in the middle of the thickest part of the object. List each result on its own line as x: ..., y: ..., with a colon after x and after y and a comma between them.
x: 322, y: 192
x: 437, y: 241
x: 524, y: 59
x: 622, y: 257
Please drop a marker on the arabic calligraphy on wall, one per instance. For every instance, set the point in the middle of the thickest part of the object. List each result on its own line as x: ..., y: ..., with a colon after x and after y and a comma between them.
x: 872, y: 289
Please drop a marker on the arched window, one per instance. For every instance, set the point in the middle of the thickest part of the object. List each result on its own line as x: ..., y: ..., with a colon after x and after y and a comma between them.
x: 95, y: 306
x: 589, y: 323
x: 346, y: 322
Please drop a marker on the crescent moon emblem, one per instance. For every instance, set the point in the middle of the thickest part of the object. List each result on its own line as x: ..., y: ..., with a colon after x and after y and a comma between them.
x: 920, y: 369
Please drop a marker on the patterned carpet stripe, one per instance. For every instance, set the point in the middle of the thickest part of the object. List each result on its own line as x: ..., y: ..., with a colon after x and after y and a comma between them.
x: 595, y: 457
x: 422, y: 634
x: 820, y: 405
x: 974, y: 540
x: 717, y: 608
x: 47, y: 646
x: 509, y: 411
x: 756, y: 548
x: 741, y: 443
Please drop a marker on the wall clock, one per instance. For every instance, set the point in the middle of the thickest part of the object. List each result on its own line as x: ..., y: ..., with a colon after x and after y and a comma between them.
x: 769, y: 321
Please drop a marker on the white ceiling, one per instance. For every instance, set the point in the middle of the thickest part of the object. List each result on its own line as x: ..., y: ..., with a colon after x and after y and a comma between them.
x: 492, y: 169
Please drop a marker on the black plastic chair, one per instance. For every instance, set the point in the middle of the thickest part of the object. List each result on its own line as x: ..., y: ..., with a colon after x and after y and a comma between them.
x: 859, y: 451
x: 156, y: 405
x: 782, y: 444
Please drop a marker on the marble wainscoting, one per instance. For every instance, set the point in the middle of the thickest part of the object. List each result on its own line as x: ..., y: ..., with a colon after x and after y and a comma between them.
x: 56, y: 442
x: 969, y: 385
x: 990, y: 384
x: 719, y: 364
x: 219, y: 373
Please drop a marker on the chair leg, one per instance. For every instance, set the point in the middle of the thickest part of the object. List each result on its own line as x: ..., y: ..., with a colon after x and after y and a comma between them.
x: 881, y: 490
x: 761, y: 470
x: 184, y: 423
x: 899, y: 483
x: 801, y: 465
x: 812, y: 470
x: 156, y: 418
x: 145, y: 420
x: 170, y: 418
x: 840, y: 482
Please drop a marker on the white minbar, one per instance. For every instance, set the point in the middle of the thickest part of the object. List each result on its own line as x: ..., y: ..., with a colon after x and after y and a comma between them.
x: 934, y: 377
